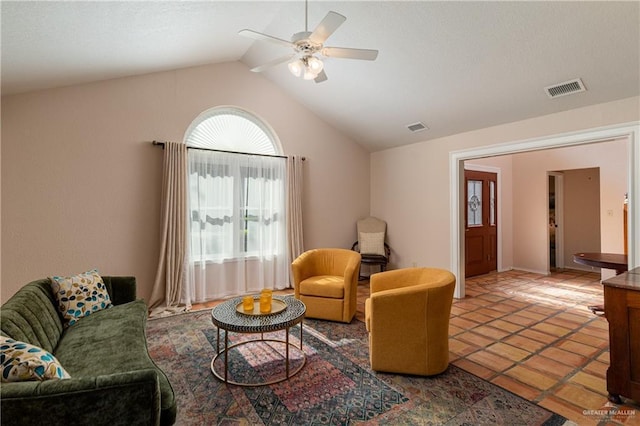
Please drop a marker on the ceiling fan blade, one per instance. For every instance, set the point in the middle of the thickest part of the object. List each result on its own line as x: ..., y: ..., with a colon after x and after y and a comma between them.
x: 273, y: 63
x: 329, y: 24
x: 259, y: 36
x: 347, y: 53
x: 322, y: 76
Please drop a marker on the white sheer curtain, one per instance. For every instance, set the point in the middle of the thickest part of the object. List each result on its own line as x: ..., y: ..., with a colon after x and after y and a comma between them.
x: 294, y: 206
x: 237, y: 224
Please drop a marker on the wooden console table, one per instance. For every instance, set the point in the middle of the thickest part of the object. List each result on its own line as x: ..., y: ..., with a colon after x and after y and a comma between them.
x: 622, y: 310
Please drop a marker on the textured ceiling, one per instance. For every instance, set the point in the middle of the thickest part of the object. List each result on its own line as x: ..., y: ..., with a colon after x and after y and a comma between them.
x: 455, y: 66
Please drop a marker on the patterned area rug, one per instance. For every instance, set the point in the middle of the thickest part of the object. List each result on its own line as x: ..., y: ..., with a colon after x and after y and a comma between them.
x: 334, y: 387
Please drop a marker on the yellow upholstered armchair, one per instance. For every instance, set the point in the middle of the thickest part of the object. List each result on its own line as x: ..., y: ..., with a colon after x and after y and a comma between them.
x: 326, y: 281
x: 407, y: 317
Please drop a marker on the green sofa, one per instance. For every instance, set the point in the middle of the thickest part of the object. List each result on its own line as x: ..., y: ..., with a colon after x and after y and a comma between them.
x: 113, y: 379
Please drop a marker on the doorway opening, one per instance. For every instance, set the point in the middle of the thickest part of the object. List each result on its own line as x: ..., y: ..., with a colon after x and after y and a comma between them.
x: 553, y: 225
x: 628, y: 131
x: 556, y: 221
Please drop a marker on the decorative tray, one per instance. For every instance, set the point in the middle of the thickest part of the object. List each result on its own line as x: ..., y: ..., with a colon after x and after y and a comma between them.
x: 277, y: 306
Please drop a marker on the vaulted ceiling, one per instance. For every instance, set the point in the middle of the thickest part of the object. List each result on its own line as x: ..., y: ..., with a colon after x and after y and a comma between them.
x: 454, y: 66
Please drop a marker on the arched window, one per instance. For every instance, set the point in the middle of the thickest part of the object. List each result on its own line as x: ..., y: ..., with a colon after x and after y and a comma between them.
x: 232, y: 129
x: 237, y: 205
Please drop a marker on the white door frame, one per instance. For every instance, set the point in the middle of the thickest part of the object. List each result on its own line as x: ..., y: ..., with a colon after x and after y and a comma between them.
x: 601, y: 134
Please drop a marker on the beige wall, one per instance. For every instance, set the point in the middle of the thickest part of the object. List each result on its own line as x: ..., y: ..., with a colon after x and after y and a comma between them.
x: 81, y: 180
x: 582, y: 213
x: 410, y: 185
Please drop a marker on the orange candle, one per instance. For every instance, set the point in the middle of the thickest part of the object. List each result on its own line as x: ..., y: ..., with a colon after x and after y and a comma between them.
x: 265, y: 303
x: 247, y: 303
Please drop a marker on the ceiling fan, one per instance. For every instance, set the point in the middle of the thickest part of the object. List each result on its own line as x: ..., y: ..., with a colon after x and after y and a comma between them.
x: 307, y: 46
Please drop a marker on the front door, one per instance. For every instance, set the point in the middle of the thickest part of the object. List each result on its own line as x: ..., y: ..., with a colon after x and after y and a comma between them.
x: 481, y: 230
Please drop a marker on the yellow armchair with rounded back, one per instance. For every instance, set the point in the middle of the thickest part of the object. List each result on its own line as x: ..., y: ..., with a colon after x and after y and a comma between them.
x: 326, y: 281
x: 407, y: 317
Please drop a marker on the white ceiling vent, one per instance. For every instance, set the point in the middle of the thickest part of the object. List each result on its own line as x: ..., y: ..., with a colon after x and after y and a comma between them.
x: 417, y: 127
x: 565, y: 88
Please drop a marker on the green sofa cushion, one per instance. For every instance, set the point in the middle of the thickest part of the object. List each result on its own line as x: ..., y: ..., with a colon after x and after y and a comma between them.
x: 30, y: 316
x: 95, y: 401
x: 103, y: 342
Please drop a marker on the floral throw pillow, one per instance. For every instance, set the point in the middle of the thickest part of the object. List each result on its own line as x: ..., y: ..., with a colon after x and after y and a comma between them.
x: 80, y: 295
x: 22, y: 361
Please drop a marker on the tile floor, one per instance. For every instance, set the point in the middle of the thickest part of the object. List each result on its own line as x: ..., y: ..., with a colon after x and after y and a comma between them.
x: 533, y: 335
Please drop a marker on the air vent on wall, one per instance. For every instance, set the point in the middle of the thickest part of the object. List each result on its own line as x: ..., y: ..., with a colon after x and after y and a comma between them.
x: 416, y: 127
x: 565, y: 88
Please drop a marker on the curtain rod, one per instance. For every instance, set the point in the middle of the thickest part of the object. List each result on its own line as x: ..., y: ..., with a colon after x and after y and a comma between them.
x: 161, y: 143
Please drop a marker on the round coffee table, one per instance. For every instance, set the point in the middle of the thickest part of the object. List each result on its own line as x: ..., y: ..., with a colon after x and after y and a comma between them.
x: 228, y: 316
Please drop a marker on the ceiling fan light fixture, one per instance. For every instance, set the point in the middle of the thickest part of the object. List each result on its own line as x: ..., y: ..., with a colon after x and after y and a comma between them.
x: 296, y: 67
x: 315, y: 65
x: 309, y: 75
x: 307, y: 67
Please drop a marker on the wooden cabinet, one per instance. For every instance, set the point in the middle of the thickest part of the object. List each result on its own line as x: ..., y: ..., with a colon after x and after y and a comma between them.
x: 622, y: 309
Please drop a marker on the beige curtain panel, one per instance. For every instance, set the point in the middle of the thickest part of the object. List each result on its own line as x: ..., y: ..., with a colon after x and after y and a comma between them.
x: 171, y: 273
